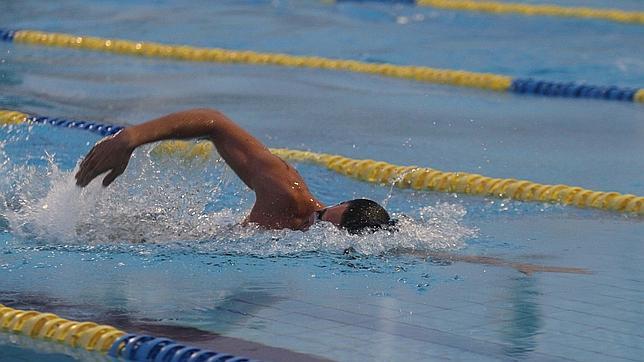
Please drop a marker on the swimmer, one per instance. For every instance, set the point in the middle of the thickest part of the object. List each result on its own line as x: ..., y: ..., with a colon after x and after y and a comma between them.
x: 283, y: 201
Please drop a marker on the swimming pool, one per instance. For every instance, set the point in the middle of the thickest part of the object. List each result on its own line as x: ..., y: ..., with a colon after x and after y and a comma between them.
x: 159, y: 251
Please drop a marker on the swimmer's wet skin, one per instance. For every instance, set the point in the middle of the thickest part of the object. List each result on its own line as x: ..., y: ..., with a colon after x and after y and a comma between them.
x: 283, y: 201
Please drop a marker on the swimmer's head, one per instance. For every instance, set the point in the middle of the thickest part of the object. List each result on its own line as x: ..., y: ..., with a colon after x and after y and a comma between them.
x: 357, y: 216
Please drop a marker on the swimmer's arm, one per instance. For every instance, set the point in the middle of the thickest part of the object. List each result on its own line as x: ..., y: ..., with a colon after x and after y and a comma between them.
x: 246, y: 155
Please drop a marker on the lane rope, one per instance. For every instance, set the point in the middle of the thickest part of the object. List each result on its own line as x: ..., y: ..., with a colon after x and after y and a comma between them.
x: 497, y: 7
x: 46, y: 347
x: 104, y: 338
x: 422, y: 178
x: 418, y: 178
x: 461, y: 78
x: 8, y: 117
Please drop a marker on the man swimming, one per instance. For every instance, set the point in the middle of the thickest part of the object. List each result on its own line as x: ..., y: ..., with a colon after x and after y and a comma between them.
x: 282, y: 199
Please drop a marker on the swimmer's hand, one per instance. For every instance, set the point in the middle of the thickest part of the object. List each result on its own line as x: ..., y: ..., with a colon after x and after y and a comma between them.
x: 109, y: 154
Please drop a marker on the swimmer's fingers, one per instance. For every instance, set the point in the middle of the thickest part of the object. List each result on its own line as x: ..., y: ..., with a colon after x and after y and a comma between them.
x: 90, y: 160
x: 92, y: 173
x: 109, y: 154
x: 89, y: 168
x: 84, y: 166
x: 116, y: 172
x: 89, y: 155
x: 98, y: 160
x: 89, y: 173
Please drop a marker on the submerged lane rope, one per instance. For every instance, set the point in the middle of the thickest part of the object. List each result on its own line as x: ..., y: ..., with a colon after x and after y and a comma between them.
x: 103, y: 338
x: 495, y: 82
x: 419, y: 178
x: 496, y: 7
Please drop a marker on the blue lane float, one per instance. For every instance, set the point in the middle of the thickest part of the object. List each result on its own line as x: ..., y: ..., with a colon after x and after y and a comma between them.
x: 99, y: 128
x: 135, y: 347
x: 7, y: 35
x: 571, y: 90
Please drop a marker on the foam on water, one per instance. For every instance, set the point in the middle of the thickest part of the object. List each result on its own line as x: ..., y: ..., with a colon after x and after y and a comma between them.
x: 194, y: 204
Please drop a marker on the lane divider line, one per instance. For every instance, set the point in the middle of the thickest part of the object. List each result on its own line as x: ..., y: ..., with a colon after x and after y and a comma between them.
x: 422, y: 178
x: 418, y: 178
x: 47, y: 347
x: 8, y: 117
x: 498, y: 7
x: 460, y: 78
x: 104, y: 338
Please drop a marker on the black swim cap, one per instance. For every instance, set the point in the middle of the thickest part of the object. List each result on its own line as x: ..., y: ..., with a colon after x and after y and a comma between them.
x: 363, y: 215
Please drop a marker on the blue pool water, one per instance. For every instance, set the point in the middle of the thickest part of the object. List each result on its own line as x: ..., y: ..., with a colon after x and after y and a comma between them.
x: 159, y: 251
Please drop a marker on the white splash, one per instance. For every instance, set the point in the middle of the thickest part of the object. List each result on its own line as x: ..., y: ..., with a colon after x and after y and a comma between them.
x: 193, y: 204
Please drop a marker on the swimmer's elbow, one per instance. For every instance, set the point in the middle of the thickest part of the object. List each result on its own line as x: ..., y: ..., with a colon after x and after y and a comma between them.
x: 207, y: 112
x: 213, y: 119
